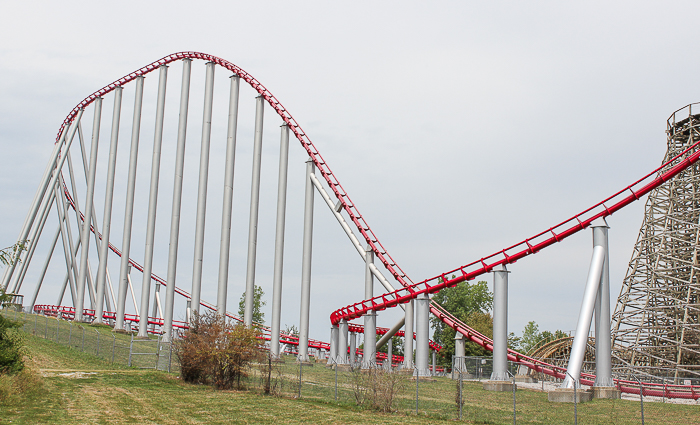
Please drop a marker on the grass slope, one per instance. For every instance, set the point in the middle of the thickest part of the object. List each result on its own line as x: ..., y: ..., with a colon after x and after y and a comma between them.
x: 107, y: 393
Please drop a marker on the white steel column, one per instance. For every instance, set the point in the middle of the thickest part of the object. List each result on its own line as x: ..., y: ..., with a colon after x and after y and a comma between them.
x: 85, y: 233
x: 202, y: 191
x: 408, y: 336
x: 279, y: 243
x: 369, y: 356
x: 129, y: 214
x: 343, y: 342
x: 306, y: 264
x: 422, y: 334
x: 333, y: 352
x: 353, y: 347
x: 603, y: 344
x: 500, y: 325
x: 42, y: 274
x: 225, y: 246
x: 67, y: 251
x: 578, y: 348
x: 151, y: 220
x: 177, y: 202
x: 109, y: 197
x: 459, y: 353
x: 254, y: 205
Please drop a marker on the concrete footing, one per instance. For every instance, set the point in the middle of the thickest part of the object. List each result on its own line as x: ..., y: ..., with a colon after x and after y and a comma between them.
x: 500, y: 386
x: 606, y: 392
x: 525, y: 378
x: 344, y: 367
x: 566, y: 395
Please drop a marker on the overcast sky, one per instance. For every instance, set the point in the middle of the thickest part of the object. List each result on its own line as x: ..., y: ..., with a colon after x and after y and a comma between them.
x: 458, y: 128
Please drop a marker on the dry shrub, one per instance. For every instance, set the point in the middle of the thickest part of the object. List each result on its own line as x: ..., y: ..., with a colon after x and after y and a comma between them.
x: 376, y: 388
x: 216, y: 352
x: 271, y: 376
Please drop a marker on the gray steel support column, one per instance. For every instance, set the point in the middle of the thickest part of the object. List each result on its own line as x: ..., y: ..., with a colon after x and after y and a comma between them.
x: 306, y: 264
x: 225, y: 246
x: 202, y: 190
x: 151, y: 218
x: 109, y: 197
x: 156, y: 303
x: 129, y: 216
x: 333, y: 352
x: 279, y: 243
x: 67, y: 249
x: 42, y: 274
x: 369, y: 356
x: 253, y: 222
x: 389, y: 353
x: 177, y: 202
x: 578, y: 348
x: 85, y: 231
x: 73, y: 246
x: 603, y: 344
x: 353, y: 347
x: 343, y: 342
x: 500, y: 325
x: 422, y: 334
x: 408, y: 336
x: 459, y: 352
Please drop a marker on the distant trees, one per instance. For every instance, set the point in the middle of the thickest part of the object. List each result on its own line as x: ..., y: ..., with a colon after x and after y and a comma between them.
x: 533, y: 339
x: 471, y: 304
x: 258, y: 303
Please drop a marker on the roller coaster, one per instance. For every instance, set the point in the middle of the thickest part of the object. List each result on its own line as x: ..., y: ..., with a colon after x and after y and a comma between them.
x: 57, y: 189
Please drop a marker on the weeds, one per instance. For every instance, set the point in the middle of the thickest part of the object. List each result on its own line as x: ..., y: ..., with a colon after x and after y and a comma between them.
x: 377, y: 388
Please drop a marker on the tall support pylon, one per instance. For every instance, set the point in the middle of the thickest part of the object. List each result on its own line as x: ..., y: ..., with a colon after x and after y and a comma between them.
x: 177, y: 202
x: 85, y: 231
x: 500, y: 325
x: 202, y: 191
x: 254, y: 206
x: 151, y: 220
x: 109, y: 198
x: 656, y: 324
x: 422, y: 303
x: 225, y: 245
x: 369, y: 356
x: 279, y: 244
x: 306, y: 264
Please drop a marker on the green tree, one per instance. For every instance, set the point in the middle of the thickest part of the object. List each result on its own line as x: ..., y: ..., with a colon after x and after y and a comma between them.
x: 258, y: 303
x: 470, y: 303
x: 531, y: 336
x: 11, y: 254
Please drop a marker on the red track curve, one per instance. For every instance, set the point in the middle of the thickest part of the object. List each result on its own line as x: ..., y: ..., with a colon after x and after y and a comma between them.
x: 467, y: 272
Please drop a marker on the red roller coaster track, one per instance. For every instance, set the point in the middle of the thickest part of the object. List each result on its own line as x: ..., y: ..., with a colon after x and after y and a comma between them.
x: 469, y: 271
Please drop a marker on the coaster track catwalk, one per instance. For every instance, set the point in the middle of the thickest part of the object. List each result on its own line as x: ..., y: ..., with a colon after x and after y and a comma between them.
x: 408, y: 291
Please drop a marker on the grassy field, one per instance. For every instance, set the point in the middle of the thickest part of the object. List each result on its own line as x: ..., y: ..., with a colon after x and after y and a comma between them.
x: 79, y: 388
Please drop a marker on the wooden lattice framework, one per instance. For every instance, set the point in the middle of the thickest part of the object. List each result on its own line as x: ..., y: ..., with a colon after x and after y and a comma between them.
x: 655, y: 322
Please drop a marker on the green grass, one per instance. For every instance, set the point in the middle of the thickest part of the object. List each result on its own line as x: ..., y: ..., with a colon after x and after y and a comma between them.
x: 119, y: 394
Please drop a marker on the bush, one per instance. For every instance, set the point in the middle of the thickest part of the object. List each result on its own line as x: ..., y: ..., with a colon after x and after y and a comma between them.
x: 215, y: 352
x: 12, y: 348
x: 377, y: 388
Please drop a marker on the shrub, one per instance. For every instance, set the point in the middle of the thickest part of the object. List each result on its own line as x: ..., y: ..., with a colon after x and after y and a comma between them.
x: 12, y: 348
x: 216, y: 352
x: 377, y: 388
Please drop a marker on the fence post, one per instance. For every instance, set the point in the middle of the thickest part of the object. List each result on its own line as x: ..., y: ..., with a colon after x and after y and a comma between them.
x: 82, y: 346
x: 114, y: 343
x: 300, y: 366
x: 98, y: 343
x: 641, y: 396
x: 461, y: 401
x: 157, y: 352
x: 131, y: 347
x: 170, y: 355
x: 513, y: 378
x: 575, y: 402
x: 417, y: 379
x: 58, y: 326
x: 336, y: 379
x: 36, y: 317
x: 70, y: 332
x: 46, y: 328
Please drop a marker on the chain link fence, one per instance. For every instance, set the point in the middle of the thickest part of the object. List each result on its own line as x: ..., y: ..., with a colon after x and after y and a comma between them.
x: 100, y: 341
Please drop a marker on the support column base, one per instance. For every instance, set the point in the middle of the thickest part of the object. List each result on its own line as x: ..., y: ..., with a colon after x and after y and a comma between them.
x: 500, y: 386
x: 343, y: 367
x: 566, y: 395
x: 607, y: 392
x: 525, y: 378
